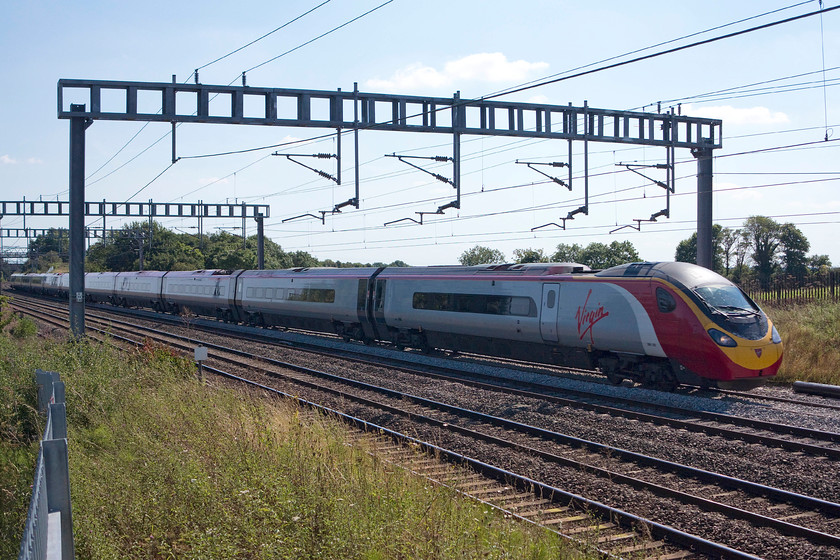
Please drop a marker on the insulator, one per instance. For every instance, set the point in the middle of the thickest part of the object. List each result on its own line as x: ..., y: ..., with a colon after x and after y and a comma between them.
x: 323, y: 156
x: 440, y: 158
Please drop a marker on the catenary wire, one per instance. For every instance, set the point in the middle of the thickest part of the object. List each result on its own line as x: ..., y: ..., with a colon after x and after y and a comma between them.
x: 258, y: 39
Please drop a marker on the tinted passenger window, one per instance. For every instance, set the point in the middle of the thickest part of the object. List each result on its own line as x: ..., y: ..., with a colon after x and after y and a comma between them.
x: 475, y: 303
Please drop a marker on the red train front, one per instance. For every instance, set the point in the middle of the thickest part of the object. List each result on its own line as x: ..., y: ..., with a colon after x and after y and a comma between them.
x: 710, y: 332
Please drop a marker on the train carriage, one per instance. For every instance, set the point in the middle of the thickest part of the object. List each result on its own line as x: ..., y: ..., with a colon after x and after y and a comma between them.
x: 138, y: 289
x: 203, y: 292
x: 484, y: 309
x: 99, y: 286
x: 323, y: 299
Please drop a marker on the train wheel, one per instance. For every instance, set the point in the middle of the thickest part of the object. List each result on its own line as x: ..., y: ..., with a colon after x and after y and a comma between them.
x: 613, y: 377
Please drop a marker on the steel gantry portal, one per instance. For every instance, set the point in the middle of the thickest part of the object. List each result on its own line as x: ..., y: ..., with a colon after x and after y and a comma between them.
x: 81, y: 101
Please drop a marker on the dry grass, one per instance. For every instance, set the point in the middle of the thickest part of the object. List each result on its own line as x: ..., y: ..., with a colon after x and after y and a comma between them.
x: 811, y: 335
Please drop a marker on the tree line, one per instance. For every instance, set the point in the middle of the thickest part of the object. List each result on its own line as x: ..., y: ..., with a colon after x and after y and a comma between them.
x: 759, y: 250
x: 762, y: 249
x: 164, y: 249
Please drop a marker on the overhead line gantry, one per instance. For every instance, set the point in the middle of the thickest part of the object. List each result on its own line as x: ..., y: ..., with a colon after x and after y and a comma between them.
x: 81, y: 102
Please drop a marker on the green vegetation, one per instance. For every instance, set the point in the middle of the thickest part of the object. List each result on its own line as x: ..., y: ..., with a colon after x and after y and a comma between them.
x: 164, y: 249
x: 165, y: 466
x: 595, y: 255
x: 811, y: 335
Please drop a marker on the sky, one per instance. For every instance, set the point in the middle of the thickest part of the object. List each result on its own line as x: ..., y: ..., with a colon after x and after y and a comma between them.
x: 775, y: 90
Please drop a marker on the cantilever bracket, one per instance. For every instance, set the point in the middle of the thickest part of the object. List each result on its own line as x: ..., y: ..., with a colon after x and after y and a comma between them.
x: 560, y: 182
x: 420, y: 222
x: 437, y: 176
x: 668, y: 185
x: 322, y: 217
x: 550, y: 224
x: 352, y: 202
x: 323, y: 174
x: 638, y: 227
x: 440, y: 210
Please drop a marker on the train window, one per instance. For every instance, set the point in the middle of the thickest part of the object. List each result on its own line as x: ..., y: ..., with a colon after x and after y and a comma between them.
x: 249, y: 292
x: 475, y: 303
x: 551, y: 299
x: 314, y: 295
x: 379, y: 295
x: 260, y: 293
x: 665, y: 301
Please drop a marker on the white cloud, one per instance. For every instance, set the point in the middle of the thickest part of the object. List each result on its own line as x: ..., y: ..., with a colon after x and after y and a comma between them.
x: 6, y: 159
x: 480, y: 67
x: 735, y: 115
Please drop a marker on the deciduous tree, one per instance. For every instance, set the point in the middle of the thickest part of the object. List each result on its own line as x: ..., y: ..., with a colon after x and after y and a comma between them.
x: 481, y: 255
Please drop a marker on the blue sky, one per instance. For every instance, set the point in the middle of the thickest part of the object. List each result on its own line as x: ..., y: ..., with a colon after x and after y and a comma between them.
x: 436, y: 48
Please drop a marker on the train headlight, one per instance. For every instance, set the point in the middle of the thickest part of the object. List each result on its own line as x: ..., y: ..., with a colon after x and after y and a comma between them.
x: 776, y: 338
x: 722, y: 339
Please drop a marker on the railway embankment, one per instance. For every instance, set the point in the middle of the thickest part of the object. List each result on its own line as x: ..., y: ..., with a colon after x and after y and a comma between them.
x: 163, y: 464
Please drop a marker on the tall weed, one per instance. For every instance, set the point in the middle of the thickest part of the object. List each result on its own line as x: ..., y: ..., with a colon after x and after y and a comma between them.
x: 811, y: 337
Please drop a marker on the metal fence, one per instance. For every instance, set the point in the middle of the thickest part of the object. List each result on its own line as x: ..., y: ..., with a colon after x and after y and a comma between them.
x: 49, y: 525
x: 788, y: 289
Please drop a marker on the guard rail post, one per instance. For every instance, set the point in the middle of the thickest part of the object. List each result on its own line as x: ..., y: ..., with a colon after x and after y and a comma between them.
x: 49, y: 524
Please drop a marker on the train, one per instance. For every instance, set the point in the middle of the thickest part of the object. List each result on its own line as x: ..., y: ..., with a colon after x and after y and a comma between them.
x: 658, y: 324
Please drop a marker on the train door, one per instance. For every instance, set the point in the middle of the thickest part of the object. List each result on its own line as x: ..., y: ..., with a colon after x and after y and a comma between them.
x: 549, y: 312
x: 364, y: 311
x: 379, y: 308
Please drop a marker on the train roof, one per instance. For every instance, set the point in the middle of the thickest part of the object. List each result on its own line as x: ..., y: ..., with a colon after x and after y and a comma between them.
x: 362, y: 272
x: 687, y: 274
x: 526, y: 269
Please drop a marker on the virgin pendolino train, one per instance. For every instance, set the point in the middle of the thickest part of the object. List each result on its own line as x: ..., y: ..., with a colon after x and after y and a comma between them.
x: 658, y: 324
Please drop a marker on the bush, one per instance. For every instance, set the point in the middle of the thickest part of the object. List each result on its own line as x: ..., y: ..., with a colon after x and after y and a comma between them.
x: 24, y: 328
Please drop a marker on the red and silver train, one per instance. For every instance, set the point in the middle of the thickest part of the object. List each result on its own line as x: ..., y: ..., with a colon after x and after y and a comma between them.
x: 658, y: 324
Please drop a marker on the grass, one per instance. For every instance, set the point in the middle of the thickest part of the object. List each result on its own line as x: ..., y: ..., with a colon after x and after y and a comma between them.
x: 811, y: 336
x: 163, y: 466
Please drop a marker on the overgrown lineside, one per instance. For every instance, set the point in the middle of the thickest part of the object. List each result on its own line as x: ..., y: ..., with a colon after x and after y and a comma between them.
x: 165, y: 466
x: 811, y: 335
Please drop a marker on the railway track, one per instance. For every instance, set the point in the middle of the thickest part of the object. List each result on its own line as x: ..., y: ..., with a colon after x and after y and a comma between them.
x: 750, y: 430
x: 761, y: 506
